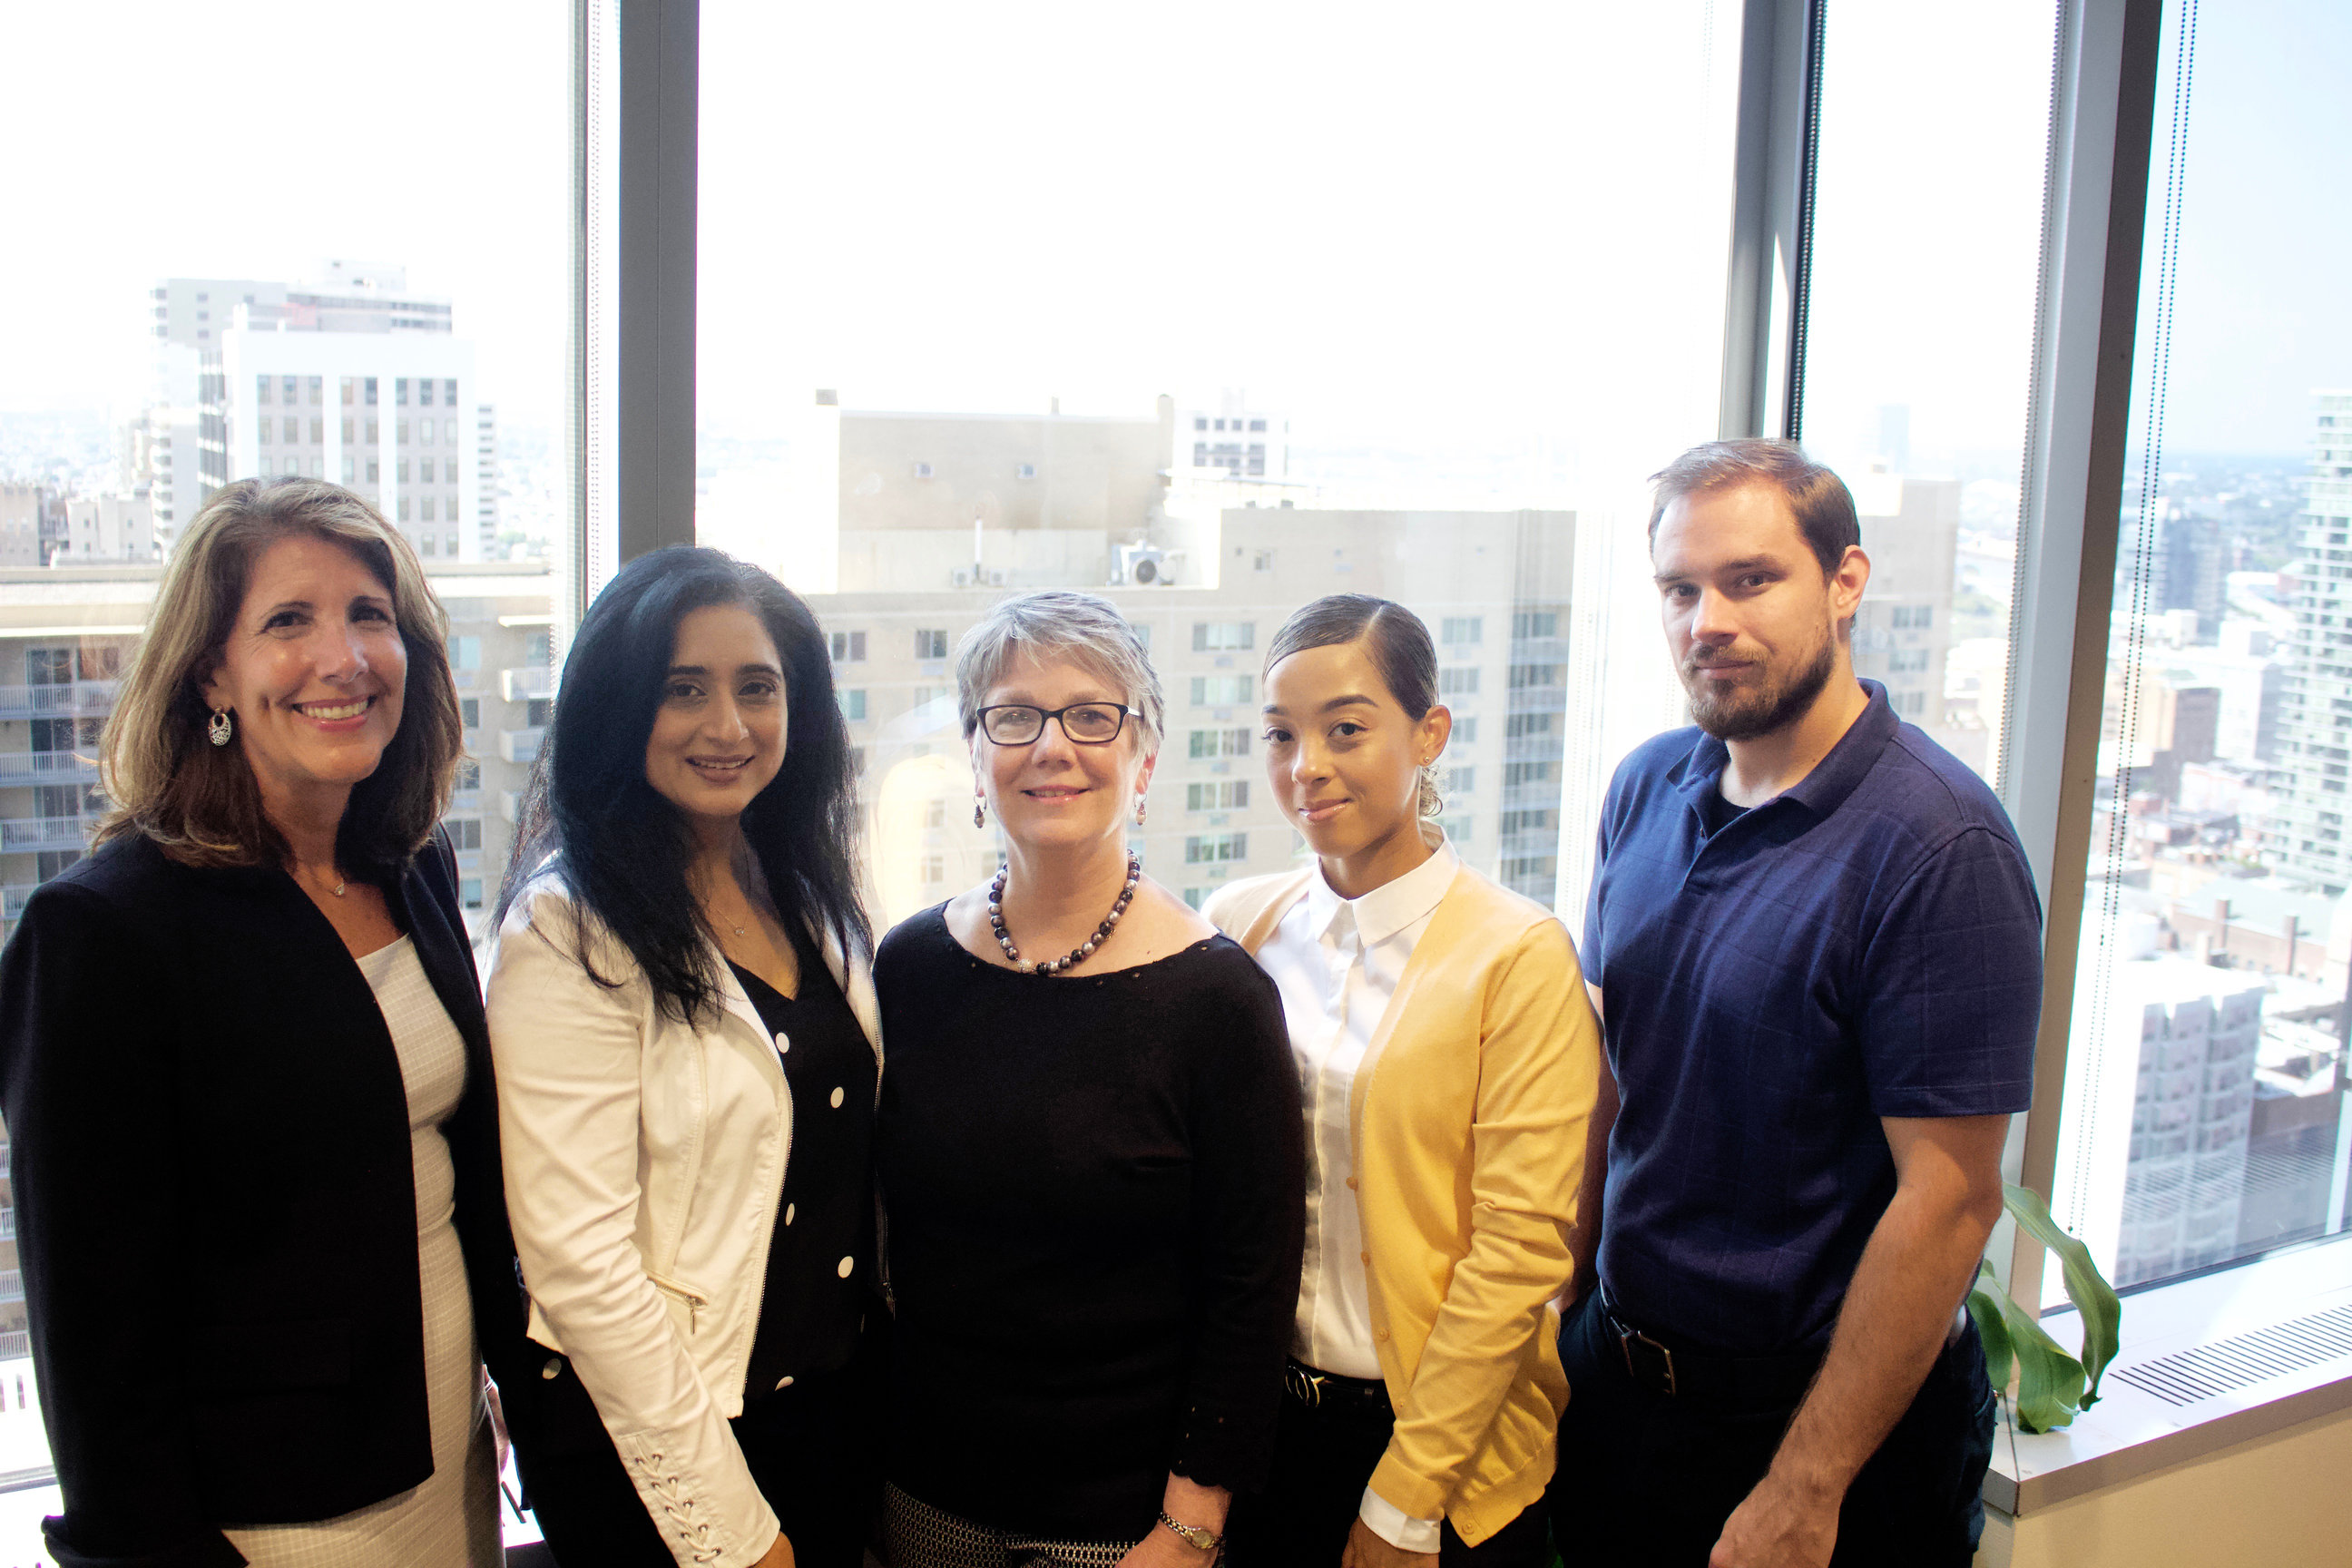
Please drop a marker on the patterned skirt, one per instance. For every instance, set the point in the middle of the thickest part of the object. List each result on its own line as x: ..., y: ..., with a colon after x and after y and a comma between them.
x: 917, y: 1535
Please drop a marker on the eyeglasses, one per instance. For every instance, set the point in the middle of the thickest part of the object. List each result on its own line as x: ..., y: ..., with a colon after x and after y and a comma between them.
x: 1086, y: 724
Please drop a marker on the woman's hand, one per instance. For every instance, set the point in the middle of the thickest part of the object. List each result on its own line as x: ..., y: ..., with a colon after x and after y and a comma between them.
x: 497, y: 1420
x: 780, y: 1555
x: 1188, y: 1500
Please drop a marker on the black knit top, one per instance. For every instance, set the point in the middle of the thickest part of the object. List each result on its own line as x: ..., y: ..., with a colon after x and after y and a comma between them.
x: 1094, y: 1185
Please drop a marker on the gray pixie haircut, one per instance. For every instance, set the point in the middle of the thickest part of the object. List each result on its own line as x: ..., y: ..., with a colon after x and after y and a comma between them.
x: 1056, y: 623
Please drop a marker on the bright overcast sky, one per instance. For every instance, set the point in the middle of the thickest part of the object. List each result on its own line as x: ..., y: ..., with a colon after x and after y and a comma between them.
x: 1394, y: 230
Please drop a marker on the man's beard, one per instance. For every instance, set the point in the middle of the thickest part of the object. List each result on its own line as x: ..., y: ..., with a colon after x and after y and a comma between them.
x: 1747, y: 713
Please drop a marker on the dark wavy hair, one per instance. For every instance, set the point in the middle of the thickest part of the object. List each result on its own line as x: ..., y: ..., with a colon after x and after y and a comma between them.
x: 621, y: 846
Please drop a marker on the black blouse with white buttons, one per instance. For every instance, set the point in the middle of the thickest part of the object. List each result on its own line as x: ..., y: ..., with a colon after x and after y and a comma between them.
x: 821, y: 1255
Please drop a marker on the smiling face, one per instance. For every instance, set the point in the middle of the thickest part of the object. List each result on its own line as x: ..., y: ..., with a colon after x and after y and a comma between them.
x: 313, y: 671
x: 719, y: 734
x: 1751, y: 619
x: 1345, y: 760
x: 1054, y: 792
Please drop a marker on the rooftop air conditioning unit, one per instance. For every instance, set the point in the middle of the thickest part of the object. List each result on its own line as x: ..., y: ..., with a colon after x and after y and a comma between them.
x: 960, y: 576
x: 1141, y: 566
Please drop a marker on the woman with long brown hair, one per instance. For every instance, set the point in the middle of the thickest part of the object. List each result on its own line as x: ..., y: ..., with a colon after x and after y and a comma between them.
x: 247, y: 1083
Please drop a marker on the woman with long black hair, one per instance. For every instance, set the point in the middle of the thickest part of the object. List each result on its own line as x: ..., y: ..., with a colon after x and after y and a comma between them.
x: 683, y: 1020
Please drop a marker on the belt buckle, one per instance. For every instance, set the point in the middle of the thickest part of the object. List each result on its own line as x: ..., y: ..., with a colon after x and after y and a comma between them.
x: 1625, y: 1338
x: 1306, y: 1386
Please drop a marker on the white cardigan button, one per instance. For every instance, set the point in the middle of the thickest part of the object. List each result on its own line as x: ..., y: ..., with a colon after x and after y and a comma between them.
x: 847, y: 1264
x: 782, y: 1044
x: 554, y: 1369
x: 789, y: 1210
x: 787, y: 1382
x: 836, y: 1100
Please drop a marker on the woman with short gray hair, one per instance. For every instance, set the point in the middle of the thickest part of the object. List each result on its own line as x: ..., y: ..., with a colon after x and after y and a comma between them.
x: 1088, y: 1146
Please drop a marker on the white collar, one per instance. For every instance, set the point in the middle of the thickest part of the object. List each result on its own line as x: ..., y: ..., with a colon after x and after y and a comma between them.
x: 1393, y: 905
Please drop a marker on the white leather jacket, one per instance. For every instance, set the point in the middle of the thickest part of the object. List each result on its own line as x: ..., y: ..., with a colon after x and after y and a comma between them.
x: 643, y: 1161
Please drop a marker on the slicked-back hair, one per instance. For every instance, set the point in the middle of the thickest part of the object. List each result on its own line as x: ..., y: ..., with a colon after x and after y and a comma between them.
x: 1056, y: 623
x: 1824, y: 506
x: 1396, y: 639
x: 621, y: 846
x: 199, y: 801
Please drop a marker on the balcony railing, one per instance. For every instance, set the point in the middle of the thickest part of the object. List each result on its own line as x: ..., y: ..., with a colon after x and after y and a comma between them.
x: 521, y: 745
x: 12, y: 1285
x: 16, y: 1345
x: 518, y: 684
x: 12, y: 905
x: 18, y: 768
x: 66, y: 700
x: 26, y: 834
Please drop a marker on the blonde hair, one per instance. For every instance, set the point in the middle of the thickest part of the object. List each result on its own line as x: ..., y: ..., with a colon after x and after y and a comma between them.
x: 199, y: 801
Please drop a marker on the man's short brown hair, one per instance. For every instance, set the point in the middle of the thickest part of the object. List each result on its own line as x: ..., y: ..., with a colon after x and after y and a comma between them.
x: 1824, y: 506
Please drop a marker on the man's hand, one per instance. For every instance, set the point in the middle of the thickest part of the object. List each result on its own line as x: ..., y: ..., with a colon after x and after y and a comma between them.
x: 1366, y: 1550
x: 780, y: 1555
x: 1778, y: 1527
x: 1163, y: 1548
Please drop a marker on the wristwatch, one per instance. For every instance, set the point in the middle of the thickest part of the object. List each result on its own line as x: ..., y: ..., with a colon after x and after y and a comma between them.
x: 1199, y: 1537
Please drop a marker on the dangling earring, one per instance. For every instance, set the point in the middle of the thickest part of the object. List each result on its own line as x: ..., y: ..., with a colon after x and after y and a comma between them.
x: 1138, y: 811
x: 220, y: 727
x: 979, y: 813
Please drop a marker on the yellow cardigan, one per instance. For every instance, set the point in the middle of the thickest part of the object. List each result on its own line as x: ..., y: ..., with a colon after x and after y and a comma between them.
x: 1468, y: 1127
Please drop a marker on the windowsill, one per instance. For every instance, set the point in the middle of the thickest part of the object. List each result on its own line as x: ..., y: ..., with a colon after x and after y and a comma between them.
x: 2130, y: 1432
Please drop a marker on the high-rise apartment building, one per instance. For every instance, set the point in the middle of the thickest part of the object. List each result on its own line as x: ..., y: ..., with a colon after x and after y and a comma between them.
x: 941, y: 515
x: 350, y: 378
x: 2164, y: 1093
x: 1903, y: 633
x: 2315, y: 720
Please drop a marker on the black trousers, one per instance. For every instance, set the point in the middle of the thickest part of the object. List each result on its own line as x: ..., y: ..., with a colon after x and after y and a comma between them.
x: 1647, y: 1477
x: 1323, y: 1457
x: 811, y: 1448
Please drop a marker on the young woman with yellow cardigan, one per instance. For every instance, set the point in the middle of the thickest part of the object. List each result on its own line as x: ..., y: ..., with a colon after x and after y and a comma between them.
x: 1448, y: 1062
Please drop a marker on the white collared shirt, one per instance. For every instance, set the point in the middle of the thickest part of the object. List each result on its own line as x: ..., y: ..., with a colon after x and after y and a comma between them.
x: 1336, y: 963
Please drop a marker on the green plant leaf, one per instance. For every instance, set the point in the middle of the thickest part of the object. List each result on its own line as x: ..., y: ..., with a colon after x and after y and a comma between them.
x: 2049, y: 1381
x: 2102, y: 1310
x: 1984, y: 1306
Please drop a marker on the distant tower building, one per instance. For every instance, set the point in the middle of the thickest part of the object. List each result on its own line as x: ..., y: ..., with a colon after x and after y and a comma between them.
x: 1232, y: 441
x: 349, y: 378
x: 486, y: 480
x: 2307, y: 836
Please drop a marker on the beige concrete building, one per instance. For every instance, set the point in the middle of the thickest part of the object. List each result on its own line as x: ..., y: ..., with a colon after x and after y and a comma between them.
x: 1492, y: 588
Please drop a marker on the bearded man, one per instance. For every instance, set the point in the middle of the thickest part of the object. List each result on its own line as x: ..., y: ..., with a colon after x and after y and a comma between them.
x: 1815, y: 947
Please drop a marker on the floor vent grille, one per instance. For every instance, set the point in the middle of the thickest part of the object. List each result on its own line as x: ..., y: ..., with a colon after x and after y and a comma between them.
x: 2204, y: 1372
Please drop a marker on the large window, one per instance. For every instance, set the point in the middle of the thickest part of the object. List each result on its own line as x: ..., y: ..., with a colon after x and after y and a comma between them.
x: 2206, y: 1115
x: 1918, y: 348
x: 185, y: 316
x: 1198, y: 317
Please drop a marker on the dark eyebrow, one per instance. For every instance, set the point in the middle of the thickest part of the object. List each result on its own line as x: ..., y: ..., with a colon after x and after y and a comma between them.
x: 1746, y: 564
x: 1271, y: 711
x: 753, y: 668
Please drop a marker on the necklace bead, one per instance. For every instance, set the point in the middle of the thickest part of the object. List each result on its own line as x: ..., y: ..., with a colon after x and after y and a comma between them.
x: 1082, y: 951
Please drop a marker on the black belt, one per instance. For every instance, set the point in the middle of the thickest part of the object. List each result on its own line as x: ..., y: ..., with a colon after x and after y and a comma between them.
x: 1328, y: 1392
x: 1662, y: 1366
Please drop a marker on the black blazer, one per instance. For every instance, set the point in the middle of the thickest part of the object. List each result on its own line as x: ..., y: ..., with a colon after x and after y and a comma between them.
x: 216, y: 1209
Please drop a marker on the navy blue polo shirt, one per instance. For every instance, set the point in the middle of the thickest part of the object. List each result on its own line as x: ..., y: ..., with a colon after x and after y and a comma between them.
x: 1866, y: 945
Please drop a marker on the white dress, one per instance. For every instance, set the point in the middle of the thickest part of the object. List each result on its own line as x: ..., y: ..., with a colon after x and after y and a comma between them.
x: 453, y: 1517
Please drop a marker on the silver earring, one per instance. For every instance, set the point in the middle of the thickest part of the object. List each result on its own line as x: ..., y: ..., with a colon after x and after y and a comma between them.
x: 220, y: 727
x: 979, y: 814
x: 1138, y: 811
